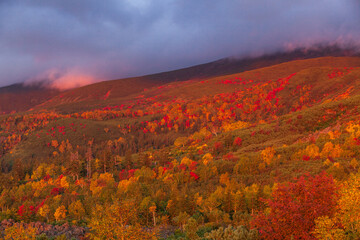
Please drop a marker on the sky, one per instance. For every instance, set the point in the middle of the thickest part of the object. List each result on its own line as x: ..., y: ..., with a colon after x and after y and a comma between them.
x: 76, y: 42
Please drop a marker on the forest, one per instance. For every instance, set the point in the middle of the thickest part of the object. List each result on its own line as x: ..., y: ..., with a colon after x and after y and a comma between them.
x: 271, y: 153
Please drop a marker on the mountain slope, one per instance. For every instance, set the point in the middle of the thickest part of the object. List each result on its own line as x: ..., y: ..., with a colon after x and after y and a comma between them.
x: 23, y: 97
x: 123, y: 91
x: 259, y: 95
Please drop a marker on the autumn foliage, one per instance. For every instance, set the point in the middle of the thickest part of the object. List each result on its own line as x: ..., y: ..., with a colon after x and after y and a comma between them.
x: 295, y: 206
x: 220, y: 161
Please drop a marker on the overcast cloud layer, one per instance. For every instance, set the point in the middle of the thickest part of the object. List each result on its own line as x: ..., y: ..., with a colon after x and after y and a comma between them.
x: 77, y: 42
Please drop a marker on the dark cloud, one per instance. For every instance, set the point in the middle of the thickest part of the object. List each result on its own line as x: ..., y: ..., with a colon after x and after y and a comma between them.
x: 94, y: 40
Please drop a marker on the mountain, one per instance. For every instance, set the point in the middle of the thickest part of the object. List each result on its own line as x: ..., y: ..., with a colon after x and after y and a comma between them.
x: 24, y: 97
x: 269, y: 145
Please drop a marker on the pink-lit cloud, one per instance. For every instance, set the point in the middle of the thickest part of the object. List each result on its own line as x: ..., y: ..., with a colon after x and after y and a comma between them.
x: 63, y: 80
x: 72, y: 80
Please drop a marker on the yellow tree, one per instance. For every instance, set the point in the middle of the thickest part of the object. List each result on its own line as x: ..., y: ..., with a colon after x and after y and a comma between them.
x: 44, y: 211
x: 349, y: 204
x: 76, y: 210
x: 346, y: 222
x: 312, y: 151
x: 327, y: 229
x: 268, y: 155
x: 118, y: 221
x: 60, y: 213
x: 54, y: 143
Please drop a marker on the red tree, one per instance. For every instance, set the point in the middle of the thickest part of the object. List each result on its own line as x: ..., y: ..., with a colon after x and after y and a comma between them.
x: 237, y: 141
x: 295, y: 206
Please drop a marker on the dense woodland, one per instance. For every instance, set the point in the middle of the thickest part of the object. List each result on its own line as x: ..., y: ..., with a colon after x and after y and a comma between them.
x: 271, y: 153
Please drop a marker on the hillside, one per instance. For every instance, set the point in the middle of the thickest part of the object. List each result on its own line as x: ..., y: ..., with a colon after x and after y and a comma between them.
x: 122, y: 91
x: 273, y: 150
x: 21, y: 97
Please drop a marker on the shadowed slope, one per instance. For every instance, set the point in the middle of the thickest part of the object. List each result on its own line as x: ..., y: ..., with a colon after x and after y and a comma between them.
x: 19, y: 97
